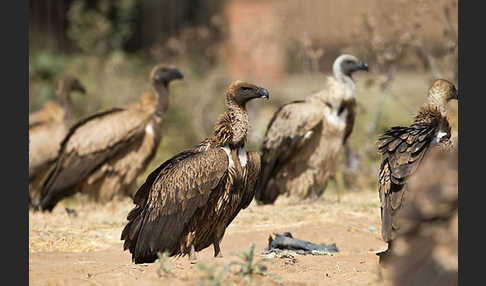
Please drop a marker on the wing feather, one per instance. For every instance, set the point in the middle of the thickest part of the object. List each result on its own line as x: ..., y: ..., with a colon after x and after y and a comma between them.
x: 253, y: 172
x: 350, y: 105
x: 168, y: 200
x: 289, y: 128
x: 88, y: 144
x: 402, y: 148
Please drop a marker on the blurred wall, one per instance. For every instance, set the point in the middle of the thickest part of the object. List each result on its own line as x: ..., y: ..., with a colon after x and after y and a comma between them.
x: 333, y: 21
x: 262, y: 33
x: 262, y: 38
x: 254, y: 46
x: 154, y: 22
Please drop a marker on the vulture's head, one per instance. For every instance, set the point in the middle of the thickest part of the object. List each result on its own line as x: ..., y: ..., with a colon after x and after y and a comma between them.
x: 241, y: 92
x: 162, y: 75
x: 67, y: 83
x: 443, y: 89
x: 345, y: 65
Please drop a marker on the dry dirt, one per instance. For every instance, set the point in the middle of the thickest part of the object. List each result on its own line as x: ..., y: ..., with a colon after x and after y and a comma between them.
x: 86, y: 250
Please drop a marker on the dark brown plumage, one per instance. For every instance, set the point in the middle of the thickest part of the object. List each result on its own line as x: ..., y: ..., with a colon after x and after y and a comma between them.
x: 403, y: 148
x: 304, y: 137
x: 47, y: 128
x: 104, y: 153
x: 425, y: 251
x: 186, y: 204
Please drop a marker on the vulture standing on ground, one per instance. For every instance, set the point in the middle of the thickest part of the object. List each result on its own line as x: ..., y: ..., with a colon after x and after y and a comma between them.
x: 304, y: 137
x: 104, y: 153
x: 402, y: 149
x: 425, y: 250
x: 47, y: 128
x: 186, y: 204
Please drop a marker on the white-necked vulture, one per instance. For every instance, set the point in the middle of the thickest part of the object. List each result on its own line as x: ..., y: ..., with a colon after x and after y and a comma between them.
x: 47, y: 129
x: 428, y: 236
x: 303, y: 137
x: 104, y: 153
x: 402, y: 149
x: 186, y: 203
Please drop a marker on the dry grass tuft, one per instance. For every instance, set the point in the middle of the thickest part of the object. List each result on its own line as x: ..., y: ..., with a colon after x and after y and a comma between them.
x: 96, y: 227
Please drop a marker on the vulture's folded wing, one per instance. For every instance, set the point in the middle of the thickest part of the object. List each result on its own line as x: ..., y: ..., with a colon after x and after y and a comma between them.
x: 350, y: 105
x: 290, y: 127
x: 402, y: 149
x: 44, y: 144
x: 252, y: 174
x: 169, y: 198
x: 88, y: 144
x: 49, y: 113
x: 37, y: 119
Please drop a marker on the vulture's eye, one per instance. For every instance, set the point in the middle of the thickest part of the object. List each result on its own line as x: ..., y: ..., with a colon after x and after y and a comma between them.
x: 245, y: 88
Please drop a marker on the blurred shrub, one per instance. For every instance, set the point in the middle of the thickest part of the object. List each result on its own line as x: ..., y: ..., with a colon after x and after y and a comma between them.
x: 101, y: 26
x: 197, y: 46
x: 43, y: 68
x: 44, y: 65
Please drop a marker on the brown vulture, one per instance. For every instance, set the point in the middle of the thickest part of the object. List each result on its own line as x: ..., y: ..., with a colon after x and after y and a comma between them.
x: 402, y: 149
x: 47, y: 128
x: 303, y: 137
x: 425, y: 250
x: 104, y: 153
x: 186, y: 203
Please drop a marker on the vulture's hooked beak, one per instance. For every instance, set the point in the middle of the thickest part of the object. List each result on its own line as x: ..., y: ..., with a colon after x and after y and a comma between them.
x: 177, y: 74
x: 168, y: 75
x: 264, y: 93
x: 79, y: 87
x: 363, y: 66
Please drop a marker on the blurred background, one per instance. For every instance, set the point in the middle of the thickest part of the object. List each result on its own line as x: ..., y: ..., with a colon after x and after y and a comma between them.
x: 286, y: 46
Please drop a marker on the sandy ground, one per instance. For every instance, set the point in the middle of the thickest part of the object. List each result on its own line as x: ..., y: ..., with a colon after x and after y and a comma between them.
x: 86, y: 250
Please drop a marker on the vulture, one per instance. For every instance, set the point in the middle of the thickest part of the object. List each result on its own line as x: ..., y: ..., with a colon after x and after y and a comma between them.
x: 186, y: 203
x: 303, y: 137
x: 403, y: 148
x: 425, y: 250
x: 47, y: 128
x: 105, y: 152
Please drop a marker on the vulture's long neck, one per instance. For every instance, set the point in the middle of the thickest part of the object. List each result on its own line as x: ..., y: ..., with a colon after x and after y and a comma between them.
x: 349, y: 85
x: 162, y: 97
x: 239, y: 123
x: 437, y: 101
x: 347, y: 80
x: 66, y: 103
x: 232, y: 127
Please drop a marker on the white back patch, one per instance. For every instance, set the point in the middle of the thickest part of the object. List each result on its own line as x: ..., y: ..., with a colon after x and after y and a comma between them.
x: 332, y: 117
x: 228, y: 153
x: 440, y: 134
x: 149, y: 129
x: 308, y: 134
x: 243, y: 157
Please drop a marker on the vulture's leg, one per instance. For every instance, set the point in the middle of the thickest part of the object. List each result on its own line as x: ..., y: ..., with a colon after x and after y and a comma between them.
x: 192, y: 255
x: 385, y: 256
x: 217, y: 250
